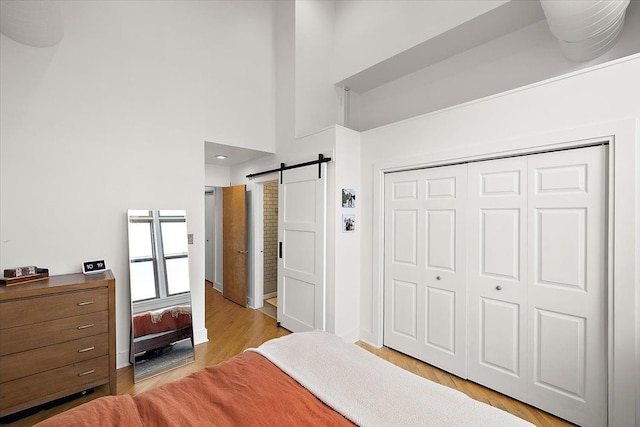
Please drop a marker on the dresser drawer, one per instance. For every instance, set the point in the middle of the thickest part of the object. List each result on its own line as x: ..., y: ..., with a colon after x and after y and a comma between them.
x: 18, y: 365
x: 38, y: 335
x: 56, y: 382
x: 50, y: 307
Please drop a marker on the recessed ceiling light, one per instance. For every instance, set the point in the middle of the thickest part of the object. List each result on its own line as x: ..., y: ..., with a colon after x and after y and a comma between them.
x: 221, y: 156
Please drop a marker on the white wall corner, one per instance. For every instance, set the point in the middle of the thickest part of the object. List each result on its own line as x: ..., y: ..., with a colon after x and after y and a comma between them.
x: 351, y: 336
x: 217, y: 286
x: 200, y: 336
x: 122, y: 359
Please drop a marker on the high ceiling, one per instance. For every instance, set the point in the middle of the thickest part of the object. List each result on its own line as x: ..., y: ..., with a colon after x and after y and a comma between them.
x: 235, y: 155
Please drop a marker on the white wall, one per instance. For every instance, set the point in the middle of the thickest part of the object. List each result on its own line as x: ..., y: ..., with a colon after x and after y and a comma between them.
x: 114, y: 117
x: 528, y: 117
x: 285, y: 48
x: 368, y: 32
x: 517, y: 59
x: 346, y: 255
x: 317, y: 100
x: 217, y: 176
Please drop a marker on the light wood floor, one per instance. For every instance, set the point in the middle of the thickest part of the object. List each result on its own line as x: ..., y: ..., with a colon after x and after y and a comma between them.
x: 233, y: 329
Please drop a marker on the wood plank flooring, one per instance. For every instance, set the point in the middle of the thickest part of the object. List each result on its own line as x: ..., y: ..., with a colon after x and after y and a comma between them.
x: 233, y: 328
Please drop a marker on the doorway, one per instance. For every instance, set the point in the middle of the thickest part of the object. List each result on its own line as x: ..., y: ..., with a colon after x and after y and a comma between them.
x: 270, y: 247
x: 213, y: 236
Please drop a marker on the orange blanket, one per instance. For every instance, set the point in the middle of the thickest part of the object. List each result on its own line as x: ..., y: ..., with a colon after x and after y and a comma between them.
x: 245, y: 390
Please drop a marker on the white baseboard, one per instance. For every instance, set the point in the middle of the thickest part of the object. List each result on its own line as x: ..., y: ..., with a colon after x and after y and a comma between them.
x: 270, y: 295
x: 122, y: 359
x: 351, y: 336
x: 217, y: 286
x: 200, y: 336
x: 371, y: 339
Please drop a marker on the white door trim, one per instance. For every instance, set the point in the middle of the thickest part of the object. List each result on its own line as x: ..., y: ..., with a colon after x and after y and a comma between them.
x: 621, y: 136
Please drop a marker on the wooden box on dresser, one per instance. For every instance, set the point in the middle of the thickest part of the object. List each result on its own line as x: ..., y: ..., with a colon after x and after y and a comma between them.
x: 57, y: 338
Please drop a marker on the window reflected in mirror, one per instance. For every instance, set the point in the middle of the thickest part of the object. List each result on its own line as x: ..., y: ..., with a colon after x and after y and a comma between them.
x: 162, y: 332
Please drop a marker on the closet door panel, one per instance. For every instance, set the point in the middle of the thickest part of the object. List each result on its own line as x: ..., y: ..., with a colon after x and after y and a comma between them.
x: 567, y: 284
x: 497, y: 274
x: 425, y: 265
x: 403, y: 261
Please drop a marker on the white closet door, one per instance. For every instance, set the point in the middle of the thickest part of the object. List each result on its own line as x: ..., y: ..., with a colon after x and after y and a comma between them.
x: 425, y: 266
x: 301, y: 263
x: 497, y: 287
x: 567, y: 292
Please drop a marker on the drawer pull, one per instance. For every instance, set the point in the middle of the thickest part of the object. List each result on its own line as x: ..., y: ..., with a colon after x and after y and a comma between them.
x: 84, y: 350
x: 82, y: 374
x: 90, y: 325
x: 80, y: 304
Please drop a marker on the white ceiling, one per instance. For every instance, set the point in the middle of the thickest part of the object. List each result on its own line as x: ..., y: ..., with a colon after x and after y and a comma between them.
x: 508, y: 17
x: 235, y: 155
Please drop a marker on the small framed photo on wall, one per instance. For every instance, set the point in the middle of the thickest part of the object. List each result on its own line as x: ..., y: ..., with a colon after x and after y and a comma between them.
x: 348, y: 198
x: 348, y: 223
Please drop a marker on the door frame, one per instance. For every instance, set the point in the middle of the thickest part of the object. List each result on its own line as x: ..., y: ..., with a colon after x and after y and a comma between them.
x: 256, y: 283
x: 620, y: 220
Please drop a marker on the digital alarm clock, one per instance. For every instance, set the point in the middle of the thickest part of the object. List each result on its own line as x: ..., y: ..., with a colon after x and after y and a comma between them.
x: 93, y: 267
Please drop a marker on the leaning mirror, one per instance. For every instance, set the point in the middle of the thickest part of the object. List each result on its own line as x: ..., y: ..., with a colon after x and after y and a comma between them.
x: 161, y: 326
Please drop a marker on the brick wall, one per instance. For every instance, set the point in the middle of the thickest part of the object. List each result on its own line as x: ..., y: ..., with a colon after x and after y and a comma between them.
x: 270, y: 192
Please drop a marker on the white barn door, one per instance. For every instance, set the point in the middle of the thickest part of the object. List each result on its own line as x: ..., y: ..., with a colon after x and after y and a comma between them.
x: 301, y: 259
x: 425, y: 268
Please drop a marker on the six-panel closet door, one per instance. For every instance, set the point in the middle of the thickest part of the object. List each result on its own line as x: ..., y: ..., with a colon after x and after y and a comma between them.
x: 536, y: 281
x: 497, y: 280
x: 567, y: 290
x: 520, y: 244
x: 425, y: 266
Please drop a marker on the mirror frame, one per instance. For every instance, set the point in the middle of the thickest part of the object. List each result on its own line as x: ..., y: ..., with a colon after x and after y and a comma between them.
x: 161, y: 326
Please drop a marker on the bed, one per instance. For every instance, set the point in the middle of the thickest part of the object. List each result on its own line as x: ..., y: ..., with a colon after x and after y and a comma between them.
x: 310, y: 378
x: 157, y: 329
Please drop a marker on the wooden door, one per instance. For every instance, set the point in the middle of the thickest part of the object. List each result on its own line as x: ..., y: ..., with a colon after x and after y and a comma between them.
x: 425, y: 266
x: 497, y: 288
x: 234, y: 244
x: 301, y: 258
x: 567, y: 284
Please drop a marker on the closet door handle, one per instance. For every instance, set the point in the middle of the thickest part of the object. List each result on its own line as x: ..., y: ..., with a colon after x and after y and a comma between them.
x: 498, y: 288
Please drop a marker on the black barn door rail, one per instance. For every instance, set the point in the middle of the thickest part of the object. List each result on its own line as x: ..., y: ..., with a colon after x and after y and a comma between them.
x: 321, y: 159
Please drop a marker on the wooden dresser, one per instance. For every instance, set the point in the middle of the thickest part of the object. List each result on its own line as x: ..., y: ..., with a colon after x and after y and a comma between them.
x: 57, y: 338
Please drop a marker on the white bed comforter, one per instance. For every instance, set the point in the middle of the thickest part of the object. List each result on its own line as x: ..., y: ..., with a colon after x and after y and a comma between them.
x: 370, y: 391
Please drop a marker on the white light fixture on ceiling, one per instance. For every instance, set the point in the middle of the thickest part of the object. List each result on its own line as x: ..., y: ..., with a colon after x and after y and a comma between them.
x: 585, y: 29
x: 33, y: 23
x: 221, y: 156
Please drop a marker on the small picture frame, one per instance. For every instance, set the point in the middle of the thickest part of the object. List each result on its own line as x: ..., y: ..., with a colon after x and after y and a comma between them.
x: 348, y: 198
x: 348, y: 223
